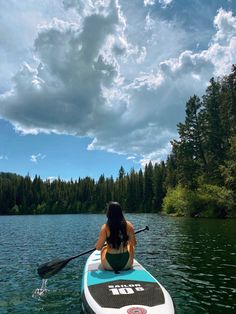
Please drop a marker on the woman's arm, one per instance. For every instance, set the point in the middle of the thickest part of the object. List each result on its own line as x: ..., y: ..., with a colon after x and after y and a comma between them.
x: 102, y: 238
x: 131, y: 234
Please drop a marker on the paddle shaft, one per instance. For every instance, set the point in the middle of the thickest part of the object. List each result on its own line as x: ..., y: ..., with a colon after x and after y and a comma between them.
x: 51, y: 268
x: 91, y: 250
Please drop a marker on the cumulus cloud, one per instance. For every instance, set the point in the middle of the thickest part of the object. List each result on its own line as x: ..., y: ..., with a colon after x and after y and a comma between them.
x: 36, y: 158
x: 225, y: 24
x: 19, y: 26
x: 94, y: 79
x: 64, y: 93
x: 156, y: 99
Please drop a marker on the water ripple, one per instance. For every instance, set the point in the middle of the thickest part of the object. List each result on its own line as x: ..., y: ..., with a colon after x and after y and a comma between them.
x: 194, y: 259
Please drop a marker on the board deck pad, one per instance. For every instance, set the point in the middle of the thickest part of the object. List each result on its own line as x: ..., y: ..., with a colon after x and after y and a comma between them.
x: 122, y: 293
x: 129, y: 291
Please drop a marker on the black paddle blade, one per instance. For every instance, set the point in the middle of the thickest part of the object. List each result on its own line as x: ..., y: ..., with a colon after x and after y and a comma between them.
x: 51, y: 268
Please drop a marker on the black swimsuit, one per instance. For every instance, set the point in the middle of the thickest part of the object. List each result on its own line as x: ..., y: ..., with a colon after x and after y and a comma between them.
x: 117, y: 261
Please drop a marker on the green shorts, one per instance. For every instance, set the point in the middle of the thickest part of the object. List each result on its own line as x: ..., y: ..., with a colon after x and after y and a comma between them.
x: 117, y: 261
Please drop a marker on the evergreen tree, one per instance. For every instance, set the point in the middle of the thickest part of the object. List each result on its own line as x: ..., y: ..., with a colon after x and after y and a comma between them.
x: 148, y: 186
x: 122, y: 185
x: 228, y: 170
x: 171, y: 169
x: 132, y: 191
x: 191, y: 160
x: 101, y: 193
x: 140, y: 191
x: 159, y: 191
x: 228, y: 106
x: 213, y: 130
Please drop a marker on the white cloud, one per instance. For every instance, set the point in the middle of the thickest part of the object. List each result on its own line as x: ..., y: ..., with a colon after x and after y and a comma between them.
x: 164, y: 3
x: 64, y: 93
x: 95, y: 77
x: 19, y: 26
x: 3, y: 157
x: 150, y: 23
x: 51, y: 179
x: 36, y: 158
x: 149, y: 2
x: 156, y: 99
x: 131, y: 158
x: 225, y: 24
x: 156, y: 156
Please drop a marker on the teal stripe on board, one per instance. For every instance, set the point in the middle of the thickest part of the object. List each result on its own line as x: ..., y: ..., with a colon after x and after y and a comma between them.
x: 82, y: 282
x: 99, y: 276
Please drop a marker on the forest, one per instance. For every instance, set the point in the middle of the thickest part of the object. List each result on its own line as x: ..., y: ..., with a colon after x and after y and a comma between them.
x: 198, y: 178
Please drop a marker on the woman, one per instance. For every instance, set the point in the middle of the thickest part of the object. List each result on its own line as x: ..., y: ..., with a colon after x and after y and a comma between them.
x: 118, y: 233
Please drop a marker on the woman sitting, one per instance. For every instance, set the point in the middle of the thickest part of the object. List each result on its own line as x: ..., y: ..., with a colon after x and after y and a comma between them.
x: 118, y: 234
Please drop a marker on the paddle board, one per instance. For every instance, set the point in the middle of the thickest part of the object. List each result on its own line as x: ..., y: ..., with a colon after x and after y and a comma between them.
x: 133, y: 291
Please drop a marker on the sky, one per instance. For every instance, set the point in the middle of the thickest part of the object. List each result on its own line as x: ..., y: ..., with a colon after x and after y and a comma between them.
x: 88, y: 86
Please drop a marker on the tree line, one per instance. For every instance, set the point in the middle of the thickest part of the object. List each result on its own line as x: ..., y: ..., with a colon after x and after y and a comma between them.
x: 197, y: 179
x: 135, y: 191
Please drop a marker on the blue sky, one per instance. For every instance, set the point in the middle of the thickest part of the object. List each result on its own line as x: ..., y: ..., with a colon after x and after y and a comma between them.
x: 88, y: 86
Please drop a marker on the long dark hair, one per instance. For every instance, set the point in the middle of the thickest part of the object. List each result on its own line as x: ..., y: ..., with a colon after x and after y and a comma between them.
x: 117, y: 225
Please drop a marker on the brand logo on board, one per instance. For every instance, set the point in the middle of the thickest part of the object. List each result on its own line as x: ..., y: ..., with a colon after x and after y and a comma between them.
x: 136, y: 310
x: 125, y: 289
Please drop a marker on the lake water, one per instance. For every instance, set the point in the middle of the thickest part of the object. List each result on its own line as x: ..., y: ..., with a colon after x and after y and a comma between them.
x: 195, y: 259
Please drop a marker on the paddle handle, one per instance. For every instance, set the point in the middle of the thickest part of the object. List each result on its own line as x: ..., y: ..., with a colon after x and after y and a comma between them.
x: 141, y: 230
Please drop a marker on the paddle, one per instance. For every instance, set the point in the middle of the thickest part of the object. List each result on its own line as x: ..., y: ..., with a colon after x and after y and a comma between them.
x: 51, y: 268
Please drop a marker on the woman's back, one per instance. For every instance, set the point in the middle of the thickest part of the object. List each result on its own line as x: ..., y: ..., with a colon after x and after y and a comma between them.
x: 105, y: 234
x: 118, y: 234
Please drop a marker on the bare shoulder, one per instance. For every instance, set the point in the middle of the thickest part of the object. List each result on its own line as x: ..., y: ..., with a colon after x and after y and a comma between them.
x: 104, y: 227
x: 129, y: 226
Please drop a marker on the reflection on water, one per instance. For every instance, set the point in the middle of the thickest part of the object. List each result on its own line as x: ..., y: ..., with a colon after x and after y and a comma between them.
x: 194, y: 259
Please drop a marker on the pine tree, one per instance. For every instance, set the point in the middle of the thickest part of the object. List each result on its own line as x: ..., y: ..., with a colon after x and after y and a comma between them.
x: 189, y: 149
x: 132, y: 191
x: 171, y: 169
x: 101, y: 193
x: 122, y: 185
x: 148, y: 186
x: 213, y: 134
x: 159, y: 191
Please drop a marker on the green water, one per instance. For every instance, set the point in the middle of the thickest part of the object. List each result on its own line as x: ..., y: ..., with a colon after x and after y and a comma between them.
x: 195, y: 259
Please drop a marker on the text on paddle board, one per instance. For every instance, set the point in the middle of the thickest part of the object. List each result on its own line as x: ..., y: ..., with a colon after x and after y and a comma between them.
x: 125, y: 289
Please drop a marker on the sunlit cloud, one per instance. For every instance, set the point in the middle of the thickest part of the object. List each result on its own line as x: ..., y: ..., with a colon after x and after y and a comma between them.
x: 124, y: 91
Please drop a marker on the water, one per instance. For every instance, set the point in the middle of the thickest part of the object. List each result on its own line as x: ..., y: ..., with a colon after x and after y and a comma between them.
x: 195, y: 259
x: 39, y: 292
